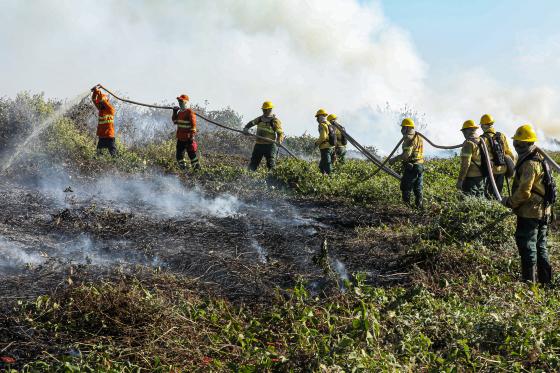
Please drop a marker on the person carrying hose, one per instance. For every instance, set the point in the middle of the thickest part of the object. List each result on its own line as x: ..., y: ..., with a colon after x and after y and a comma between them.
x: 412, y: 157
x: 269, y: 129
x: 185, y: 120
x: 326, y: 141
x: 529, y: 202
x: 498, y: 149
x: 472, y: 175
x: 341, y: 141
x: 105, y: 123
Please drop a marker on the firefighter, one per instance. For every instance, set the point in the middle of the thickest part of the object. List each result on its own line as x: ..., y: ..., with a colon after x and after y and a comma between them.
x: 498, y: 148
x: 185, y: 120
x: 269, y: 130
x: 529, y: 202
x: 412, y: 158
x: 341, y: 141
x: 326, y: 141
x: 472, y: 179
x: 105, y: 123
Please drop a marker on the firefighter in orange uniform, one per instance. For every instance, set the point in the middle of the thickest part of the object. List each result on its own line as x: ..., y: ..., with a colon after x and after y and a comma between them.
x: 106, y: 122
x: 185, y: 120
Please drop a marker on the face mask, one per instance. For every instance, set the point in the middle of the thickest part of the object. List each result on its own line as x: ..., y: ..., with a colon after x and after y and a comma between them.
x: 184, y: 105
x: 322, y: 118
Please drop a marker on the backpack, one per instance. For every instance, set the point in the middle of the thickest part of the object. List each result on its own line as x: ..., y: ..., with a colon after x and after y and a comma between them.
x: 483, y: 165
x: 550, y: 188
x: 497, y: 149
x: 332, y: 134
x: 343, y: 139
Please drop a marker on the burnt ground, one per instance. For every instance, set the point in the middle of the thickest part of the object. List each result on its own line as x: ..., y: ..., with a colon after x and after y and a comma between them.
x: 244, y: 251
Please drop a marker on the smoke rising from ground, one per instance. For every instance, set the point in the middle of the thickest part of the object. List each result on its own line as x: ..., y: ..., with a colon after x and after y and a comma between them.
x: 341, y: 55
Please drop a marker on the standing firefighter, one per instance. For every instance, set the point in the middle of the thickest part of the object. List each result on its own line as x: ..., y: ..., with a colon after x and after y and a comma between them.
x: 106, y: 122
x: 326, y: 141
x: 533, y: 194
x: 341, y: 141
x: 498, y: 150
x: 269, y: 129
x: 472, y: 175
x: 185, y: 120
x: 412, y: 158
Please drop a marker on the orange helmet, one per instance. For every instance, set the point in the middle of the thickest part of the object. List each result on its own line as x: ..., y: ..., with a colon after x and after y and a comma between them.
x: 183, y: 98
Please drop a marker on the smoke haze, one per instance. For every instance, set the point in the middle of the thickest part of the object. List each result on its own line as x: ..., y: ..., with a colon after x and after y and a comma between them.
x: 343, y: 55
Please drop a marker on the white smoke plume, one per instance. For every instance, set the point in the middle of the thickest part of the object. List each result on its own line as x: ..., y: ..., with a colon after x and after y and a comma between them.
x: 163, y: 196
x: 344, y: 55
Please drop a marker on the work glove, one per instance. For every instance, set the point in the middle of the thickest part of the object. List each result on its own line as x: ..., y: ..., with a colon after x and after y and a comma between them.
x: 459, y: 184
x: 176, y: 108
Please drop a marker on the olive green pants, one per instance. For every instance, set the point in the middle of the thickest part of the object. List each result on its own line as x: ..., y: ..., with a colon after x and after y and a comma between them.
x: 268, y: 151
x: 325, y: 165
x: 530, y: 237
x: 340, y: 152
x: 412, y: 181
x: 474, y: 186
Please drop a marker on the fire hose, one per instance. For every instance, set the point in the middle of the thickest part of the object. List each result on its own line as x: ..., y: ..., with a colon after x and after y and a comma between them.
x: 201, y: 117
x: 366, y: 153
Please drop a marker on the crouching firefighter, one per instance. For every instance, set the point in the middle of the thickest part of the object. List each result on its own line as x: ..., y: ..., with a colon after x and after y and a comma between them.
x: 185, y: 120
x: 341, y: 141
x: 326, y: 141
x: 269, y: 130
x: 412, y: 158
x: 105, y: 123
x: 473, y: 172
x: 533, y: 195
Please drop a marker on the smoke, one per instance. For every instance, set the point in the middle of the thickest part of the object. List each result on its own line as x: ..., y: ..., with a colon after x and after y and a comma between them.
x: 162, y: 196
x: 343, y: 55
x: 16, y: 256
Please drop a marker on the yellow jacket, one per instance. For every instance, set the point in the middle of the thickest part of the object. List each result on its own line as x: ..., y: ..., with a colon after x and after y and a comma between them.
x: 528, y: 189
x: 323, y: 140
x: 471, y: 159
x: 491, y: 132
x: 413, y: 150
x: 270, y: 128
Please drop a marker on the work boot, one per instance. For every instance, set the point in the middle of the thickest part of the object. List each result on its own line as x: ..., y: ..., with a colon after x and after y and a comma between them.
x: 528, y: 273
x: 544, y: 273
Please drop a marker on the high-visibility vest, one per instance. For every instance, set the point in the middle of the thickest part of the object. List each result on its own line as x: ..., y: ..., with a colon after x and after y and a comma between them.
x: 186, y: 124
x: 106, y: 124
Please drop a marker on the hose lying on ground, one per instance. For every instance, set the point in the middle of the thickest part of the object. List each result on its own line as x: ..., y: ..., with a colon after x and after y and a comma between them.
x: 366, y: 153
x: 201, y: 117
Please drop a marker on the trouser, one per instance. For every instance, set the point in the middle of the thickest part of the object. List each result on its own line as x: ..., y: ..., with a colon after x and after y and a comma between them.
x: 530, y: 237
x: 325, y: 165
x: 500, y: 180
x: 474, y: 186
x: 412, y: 181
x: 268, y: 151
x: 107, y: 143
x: 191, y: 147
x: 340, y: 152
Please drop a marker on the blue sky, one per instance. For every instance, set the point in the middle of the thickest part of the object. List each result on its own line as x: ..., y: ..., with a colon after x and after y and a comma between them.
x: 454, y: 35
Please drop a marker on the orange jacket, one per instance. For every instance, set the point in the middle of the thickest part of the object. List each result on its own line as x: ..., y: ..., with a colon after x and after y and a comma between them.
x: 105, y: 124
x: 186, y: 124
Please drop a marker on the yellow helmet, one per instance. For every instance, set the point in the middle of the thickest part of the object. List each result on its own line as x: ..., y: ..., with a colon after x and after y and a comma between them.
x: 469, y: 124
x: 525, y: 133
x: 486, y: 120
x: 407, y: 122
x: 321, y: 112
x: 267, y: 105
x: 332, y: 117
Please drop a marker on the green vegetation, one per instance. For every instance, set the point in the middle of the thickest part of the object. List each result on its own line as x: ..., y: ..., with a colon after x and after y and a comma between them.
x: 462, y: 309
